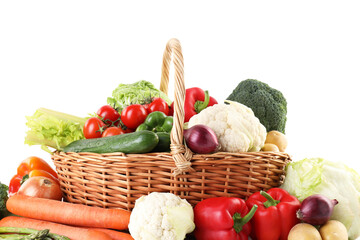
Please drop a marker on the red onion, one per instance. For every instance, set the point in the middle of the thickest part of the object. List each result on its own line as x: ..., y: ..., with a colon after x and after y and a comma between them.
x: 201, y: 139
x: 316, y: 209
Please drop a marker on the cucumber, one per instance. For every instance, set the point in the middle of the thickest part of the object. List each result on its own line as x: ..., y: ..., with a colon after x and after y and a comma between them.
x: 135, y: 142
x: 164, y: 142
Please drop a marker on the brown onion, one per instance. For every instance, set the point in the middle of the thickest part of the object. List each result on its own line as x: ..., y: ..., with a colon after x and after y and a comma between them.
x: 41, y: 187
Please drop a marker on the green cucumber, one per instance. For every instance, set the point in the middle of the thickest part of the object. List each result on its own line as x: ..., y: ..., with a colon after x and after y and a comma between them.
x: 164, y: 142
x: 135, y: 142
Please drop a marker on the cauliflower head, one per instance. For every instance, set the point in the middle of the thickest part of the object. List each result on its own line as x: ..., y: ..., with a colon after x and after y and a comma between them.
x: 235, y: 125
x: 161, y: 216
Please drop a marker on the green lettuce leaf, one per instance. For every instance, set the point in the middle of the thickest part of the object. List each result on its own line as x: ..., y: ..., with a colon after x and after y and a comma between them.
x: 136, y: 93
x: 333, y: 180
x: 53, y: 129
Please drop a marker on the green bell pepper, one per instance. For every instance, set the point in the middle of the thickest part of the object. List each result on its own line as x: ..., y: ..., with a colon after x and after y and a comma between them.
x: 157, y: 122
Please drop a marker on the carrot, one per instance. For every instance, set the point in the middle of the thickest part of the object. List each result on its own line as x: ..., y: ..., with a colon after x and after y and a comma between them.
x: 115, y: 235
x: 74, y: 233
x: 94, y: 234
x: 68, y: 213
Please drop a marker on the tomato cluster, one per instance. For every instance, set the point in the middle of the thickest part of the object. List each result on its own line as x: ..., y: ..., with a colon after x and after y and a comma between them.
x: 107, y: 123
x: 110, y: 122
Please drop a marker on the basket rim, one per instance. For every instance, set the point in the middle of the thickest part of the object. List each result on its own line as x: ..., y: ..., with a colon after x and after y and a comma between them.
x: 208, y: 155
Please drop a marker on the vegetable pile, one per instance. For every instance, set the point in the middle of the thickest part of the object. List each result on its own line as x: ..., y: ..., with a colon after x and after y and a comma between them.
x: 312, y: 176
x: 74, y: 221
x: 235, y: 125
x: 318, y: 199
x: 45, y: 178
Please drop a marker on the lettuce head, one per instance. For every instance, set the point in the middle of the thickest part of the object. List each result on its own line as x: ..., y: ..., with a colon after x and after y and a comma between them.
x: 136, y: 93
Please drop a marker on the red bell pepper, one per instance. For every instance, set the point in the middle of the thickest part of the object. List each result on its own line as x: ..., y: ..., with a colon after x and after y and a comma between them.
x: 196, y: 100
x: 29, y: 167
x: 15, y: 184
x: 225, y: 218
x: 275, y: 216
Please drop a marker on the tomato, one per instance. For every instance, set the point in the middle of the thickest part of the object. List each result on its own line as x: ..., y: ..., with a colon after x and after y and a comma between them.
x: 109, y: 115
x: 41, y: 187
x: 93, y: 128
x: 128, y: 130
x: 158, y: 104
x: 134, y: 115
x: 171, y: 109
x: 111, y: 131
x: 146, y: 106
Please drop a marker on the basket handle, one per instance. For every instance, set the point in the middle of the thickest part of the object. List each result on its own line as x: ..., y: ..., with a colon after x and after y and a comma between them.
x: 180, y: 153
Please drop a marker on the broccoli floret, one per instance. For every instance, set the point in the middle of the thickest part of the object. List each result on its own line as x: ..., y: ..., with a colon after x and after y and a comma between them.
x: 268, y: 104
x: 3, y: 198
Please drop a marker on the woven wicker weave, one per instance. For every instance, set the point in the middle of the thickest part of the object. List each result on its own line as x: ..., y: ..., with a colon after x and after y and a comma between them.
x: 116, y: 180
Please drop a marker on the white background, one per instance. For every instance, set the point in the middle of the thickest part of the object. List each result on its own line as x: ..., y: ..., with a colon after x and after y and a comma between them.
x: 69, y: 56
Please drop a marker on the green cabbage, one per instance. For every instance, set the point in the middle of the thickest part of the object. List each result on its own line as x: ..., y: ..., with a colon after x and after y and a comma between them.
x: 334, y: 180
x: 136, y: 93
x: 53, y: 129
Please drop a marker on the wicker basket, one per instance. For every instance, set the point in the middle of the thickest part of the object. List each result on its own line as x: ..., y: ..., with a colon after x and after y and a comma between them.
x: 116, y: 180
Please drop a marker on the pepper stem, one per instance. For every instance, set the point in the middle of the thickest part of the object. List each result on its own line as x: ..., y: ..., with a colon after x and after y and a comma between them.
x: 201, y: 105
x: 25, y: 177
x: 270, y: 200
x: 239, y: 221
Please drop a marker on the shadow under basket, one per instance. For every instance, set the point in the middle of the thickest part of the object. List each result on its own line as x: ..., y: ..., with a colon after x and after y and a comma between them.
x: 116, y: 180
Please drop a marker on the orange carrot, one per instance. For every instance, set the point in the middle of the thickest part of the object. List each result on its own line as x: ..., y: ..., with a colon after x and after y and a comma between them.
x: 94, y: 234
x: 74, y: 233
x: 68, y: 213
x: 115, y: 235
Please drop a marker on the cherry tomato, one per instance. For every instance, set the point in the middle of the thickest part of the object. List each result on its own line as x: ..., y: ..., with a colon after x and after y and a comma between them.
x: 146, y: 106
x: 109, y: 115
x: 134, y: 115
x: 158, y: 104
x: 111, y: 131
x: 41, y: 187
x: 128, y: 130
x: 93, y: 128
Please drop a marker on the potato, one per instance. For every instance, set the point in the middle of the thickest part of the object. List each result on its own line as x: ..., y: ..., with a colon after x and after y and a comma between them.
x: 277, y: 138
x: 304, y: 231
x: 269, y: 147
x: 333, y: 230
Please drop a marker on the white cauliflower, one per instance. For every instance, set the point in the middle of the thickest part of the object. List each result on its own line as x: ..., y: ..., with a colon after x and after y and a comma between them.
x: 235, y: 125
x: 161, y: 216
